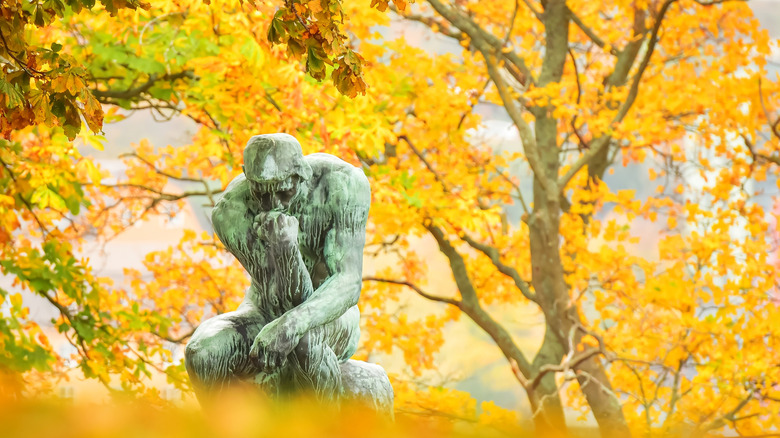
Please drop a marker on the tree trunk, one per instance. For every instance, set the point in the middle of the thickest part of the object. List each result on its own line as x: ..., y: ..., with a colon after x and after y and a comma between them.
x: 544, y: 226
x: 602, y: 400
x: 552, y: 290
x: 545, y: 400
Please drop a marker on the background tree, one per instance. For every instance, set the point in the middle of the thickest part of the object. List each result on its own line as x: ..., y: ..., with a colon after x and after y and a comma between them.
x: 581, y: 84
x: 678, y: 338
x: 588, y: 98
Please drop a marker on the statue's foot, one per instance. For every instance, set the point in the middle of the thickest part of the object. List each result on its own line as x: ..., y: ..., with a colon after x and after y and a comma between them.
x: 368, y: 384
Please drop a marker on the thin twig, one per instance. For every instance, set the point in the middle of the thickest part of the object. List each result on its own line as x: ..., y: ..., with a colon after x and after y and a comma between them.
x: 415, y: 288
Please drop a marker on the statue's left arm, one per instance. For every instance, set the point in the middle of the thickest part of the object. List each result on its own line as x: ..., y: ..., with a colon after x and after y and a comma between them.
x: 343, y: 255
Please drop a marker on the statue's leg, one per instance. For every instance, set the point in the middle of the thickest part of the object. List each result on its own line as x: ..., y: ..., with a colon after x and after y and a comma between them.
x: 314, y: 364
x: 314, y: 367
x: 217, y: 355
x: 343, y: 334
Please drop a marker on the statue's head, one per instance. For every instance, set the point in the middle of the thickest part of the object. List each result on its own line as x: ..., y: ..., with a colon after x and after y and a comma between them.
x: 274, y: 166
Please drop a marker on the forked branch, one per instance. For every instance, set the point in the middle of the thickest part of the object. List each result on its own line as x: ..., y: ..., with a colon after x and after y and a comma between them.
x: 509, y: 271
x: 602, y: 142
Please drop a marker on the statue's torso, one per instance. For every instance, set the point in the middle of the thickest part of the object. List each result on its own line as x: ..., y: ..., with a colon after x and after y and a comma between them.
x: 328, y: 203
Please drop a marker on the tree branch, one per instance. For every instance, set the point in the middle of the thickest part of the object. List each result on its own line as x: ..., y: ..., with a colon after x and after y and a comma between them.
x: 477, y: 34
x: 567, y: 365
x: 432, y: 23
x: 44, y: 229
x: 527, y: 135
x: 634, y: 90
x: 427, y: 164
x: 163, y: 196
x: 469, y: 305
x: 475, y: 102
x: 209, y: 192
x: 516, y: 187
x: 759, y: 156
x: 458, y: 265
x: 603, y: 141
x: 589, y: 32
x: 537, y: 13
x: 676, y: 395
x: 103, y: 96
x: 509, y: 271
x: 717, y: 2
x: 772, y: 125
x: 512, y: 20
x: 161, y: 172
x: 730, y: 416
x: 419, y: 291
x: 176, y: 340
x: 21, y: 63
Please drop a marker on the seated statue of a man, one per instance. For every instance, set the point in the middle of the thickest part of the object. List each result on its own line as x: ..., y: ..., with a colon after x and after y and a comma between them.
x: 297, y: 225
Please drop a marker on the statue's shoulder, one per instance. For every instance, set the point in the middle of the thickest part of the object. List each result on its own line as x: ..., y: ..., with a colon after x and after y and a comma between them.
x: 231, y: 206
x: 237, y: 190
x: 338, y: 181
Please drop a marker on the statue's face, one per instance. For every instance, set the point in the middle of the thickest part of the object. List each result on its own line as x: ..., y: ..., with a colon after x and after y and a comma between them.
x: 275, y: 195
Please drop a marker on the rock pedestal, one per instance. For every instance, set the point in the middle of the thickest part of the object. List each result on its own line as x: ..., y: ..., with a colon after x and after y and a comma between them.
x: 367, y: 383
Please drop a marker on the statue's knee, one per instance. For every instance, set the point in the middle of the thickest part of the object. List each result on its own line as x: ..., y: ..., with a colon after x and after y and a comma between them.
x: 195, y: 362
x: 207, y: 354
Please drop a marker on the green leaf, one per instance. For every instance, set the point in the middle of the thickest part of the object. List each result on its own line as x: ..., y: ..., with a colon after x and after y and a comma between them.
x: 164, y: 94
x: 44, y: 197
x: 41, y: 285
x: 73, y: 205
x: 276, y: 31
x: 314, y: 64
x: 413, y: 200
x: 146, y: 65
x: 38, y: 20
x: 13, y: 93
x: 295, y: 49
x: 111, y: 53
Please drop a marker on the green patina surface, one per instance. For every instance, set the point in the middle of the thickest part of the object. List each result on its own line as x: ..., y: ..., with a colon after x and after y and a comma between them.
x: 297, y: 225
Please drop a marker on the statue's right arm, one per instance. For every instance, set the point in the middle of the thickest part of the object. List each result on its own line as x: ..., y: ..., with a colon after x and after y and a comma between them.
x: 232, y: 219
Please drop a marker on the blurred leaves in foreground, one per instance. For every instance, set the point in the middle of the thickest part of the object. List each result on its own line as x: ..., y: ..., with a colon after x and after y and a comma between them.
x: 233, y: 416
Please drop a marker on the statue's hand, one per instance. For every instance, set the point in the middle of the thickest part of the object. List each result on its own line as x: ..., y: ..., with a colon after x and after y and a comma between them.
x: 274, y: 343
x: 276, y: 228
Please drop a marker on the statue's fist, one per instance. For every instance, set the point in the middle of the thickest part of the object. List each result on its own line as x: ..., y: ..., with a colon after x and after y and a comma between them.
x: 274, y: 343
x: 276, y: 228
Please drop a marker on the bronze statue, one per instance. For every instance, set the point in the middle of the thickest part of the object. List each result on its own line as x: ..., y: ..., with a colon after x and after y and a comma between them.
x: 297, y: 225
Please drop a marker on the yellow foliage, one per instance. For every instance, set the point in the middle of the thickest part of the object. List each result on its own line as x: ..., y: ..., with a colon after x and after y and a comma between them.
x: 688, y: 325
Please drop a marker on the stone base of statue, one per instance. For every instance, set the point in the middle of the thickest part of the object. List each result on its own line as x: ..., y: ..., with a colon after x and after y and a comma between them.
x: 367, y: 384
x: 364, y: 384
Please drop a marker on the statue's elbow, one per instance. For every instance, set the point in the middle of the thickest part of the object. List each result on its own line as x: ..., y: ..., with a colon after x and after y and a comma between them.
x: 356, y: 284
x: 217, y: 218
